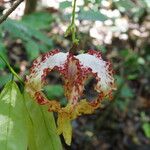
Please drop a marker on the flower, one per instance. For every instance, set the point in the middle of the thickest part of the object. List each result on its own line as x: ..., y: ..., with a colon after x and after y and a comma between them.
x: 74, y: 70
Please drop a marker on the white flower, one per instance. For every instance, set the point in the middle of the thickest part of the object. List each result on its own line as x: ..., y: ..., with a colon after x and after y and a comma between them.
x: 74, y: 70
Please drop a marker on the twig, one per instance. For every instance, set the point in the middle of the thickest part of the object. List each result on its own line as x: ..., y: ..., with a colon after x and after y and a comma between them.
x: 14, y: 6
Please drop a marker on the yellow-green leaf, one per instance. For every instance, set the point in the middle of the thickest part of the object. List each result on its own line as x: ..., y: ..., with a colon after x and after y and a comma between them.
x: 42, y: 128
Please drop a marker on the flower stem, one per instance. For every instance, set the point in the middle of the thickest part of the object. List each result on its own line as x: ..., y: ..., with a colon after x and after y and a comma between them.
x: 71, y: 30
x: 12, y: 70
x: 73, y: 12
x: 73, y: 21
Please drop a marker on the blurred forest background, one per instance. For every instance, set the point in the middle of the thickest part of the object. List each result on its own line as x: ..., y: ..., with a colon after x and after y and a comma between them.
x: 121, y: 30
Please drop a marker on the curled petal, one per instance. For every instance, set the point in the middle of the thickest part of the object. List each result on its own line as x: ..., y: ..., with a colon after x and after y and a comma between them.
x: 93, y: 62
x: 41, y: 67
x: 47, y: 61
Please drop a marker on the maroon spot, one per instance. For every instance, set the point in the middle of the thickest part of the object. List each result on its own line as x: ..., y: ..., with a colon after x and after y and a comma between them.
x: 40, y: 99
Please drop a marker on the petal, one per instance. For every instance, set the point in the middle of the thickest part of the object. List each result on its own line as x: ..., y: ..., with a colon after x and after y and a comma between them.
x: 41, y: 67
x: 69, y: 113
x: 64, y: 128
x: 64, y: 123
x: 67, y: 65
x: 84, y: 107
x: 93, y: 62
x: 73, y: 79
x: 47, y: 61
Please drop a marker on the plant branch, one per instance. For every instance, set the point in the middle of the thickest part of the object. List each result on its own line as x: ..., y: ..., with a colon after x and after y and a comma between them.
x: 14, y: 6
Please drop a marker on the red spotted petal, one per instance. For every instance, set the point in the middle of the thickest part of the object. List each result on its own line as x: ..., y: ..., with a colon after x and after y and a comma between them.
x: 93, y: 62
x: 41, y: 67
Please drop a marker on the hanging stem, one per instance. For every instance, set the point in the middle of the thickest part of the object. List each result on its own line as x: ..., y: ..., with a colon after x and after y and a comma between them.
x: 12, y: 70
x: 72, y: 28
x: 72, y: 23
x: 73, y: 12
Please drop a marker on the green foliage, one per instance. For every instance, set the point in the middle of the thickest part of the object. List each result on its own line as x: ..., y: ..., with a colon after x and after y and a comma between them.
x: 65, y: 4
x: 124, y: 95
x: 136, y: 10
x: 38, y: 20
x: 146, y: 129
x: 145, y: 124
x: 41, y: 127
x: 126, y: 92
x: 4, y: 79
x: 3, y: 53
x: 24, y: 124
x: 124, y: 98
x: 13, y: 131
x: 33, y: 39
x: 124, y: 5
x: 54, y: 91
x: 91, y: 15
x: 32, y: 49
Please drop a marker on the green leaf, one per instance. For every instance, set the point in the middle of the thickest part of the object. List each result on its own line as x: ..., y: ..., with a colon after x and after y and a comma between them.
x: 42, y: 128
x: 124, y: 53
x: 13, y: 133
x: 132, y: 76
x: 16, y: 29
x: 3, y: 53
x: 122, y: 104
x: 4, y: 79
x: 98, y: 1
x: 41, y: 37
x: 54, y: 91
x: 28, y: 35
x: 43, y: 48
x: 145, y: 124
x: 91, y: 15
x: 65, y: 4
x: 32, y: 50
x: 126, y: 91
x: 38, y: 20
x: 119, y: 80
x: 125, y: 5
x: 146, y: 129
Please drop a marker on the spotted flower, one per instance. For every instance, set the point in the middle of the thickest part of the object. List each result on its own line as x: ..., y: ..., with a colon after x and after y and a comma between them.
x: 74, y: 71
